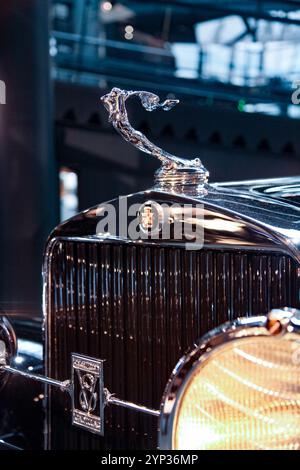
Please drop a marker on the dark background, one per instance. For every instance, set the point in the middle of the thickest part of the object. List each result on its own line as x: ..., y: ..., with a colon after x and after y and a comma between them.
x: 232, y: 64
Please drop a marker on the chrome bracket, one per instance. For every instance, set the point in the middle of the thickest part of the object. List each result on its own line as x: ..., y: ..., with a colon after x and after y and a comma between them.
x: 86, y: 388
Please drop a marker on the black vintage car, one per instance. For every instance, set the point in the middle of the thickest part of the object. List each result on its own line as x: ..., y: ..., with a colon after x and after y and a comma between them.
x: 170, y: 318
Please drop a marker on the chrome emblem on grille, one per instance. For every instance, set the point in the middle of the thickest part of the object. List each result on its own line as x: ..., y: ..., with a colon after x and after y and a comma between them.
x: 88, y: 397
x: 151, y: 217
x: 147, y: 218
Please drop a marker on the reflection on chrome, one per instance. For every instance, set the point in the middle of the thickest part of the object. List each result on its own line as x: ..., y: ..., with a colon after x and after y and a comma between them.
x: 236, y: 405
x: 176, y: 175
x: 239, y: 389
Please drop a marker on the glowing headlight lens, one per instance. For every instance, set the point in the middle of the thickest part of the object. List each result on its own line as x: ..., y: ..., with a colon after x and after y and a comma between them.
x: 246, y: 395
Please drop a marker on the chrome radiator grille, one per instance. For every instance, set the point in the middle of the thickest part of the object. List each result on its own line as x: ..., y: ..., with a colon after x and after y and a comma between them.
x: 139, y: 308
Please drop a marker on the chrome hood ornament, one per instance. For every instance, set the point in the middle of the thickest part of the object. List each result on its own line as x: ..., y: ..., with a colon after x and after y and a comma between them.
x: 178, y: 175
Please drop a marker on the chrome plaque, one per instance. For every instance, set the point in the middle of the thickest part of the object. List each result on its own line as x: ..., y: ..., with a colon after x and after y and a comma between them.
x: 88, y: 400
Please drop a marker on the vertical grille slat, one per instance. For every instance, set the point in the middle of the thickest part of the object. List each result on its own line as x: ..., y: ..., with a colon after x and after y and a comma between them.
x: 118, y: 336
x: 82, y: 297
x: 140, y: 308
x: 93, y: 290
x: 190, y: 322
x: 160, y: 349
x: 174, y: 318
x: 144, y: 332
x: 207, y: 291
x: 131, y: 345
x: 223, y: 287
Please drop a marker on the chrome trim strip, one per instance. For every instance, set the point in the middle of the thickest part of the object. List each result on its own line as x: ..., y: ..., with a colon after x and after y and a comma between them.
x: 173, y: 244
x: 6, y: 446
x: 112, y: 400
x: 65, y: 385
x: 261, y: 182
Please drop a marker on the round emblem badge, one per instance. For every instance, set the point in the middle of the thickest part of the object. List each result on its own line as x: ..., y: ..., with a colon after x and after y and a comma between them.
x: 151, y: 218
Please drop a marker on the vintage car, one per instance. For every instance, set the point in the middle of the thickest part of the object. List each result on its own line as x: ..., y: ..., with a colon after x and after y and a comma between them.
x: 170, y: 317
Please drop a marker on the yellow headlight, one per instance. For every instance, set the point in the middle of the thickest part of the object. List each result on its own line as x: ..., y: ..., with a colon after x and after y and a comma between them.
x: 243, y: 393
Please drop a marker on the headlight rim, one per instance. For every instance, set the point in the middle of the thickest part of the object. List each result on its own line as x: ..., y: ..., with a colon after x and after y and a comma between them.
x: 208, y: 345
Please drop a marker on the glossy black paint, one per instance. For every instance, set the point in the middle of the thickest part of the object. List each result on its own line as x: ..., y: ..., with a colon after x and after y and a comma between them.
x: 280, y: 189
